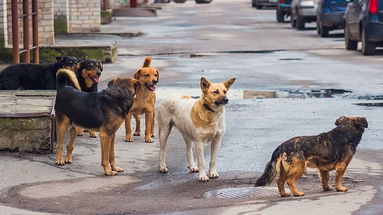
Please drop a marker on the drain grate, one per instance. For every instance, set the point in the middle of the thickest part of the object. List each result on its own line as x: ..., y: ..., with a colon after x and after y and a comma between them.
x: 242, y: 192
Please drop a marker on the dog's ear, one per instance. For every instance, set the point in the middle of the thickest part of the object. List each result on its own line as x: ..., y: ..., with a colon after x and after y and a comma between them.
x: 228, y: 83
x: 58, y: 59
x: 112, y: 81
x: 100, y: 66
x: 205, y: 84
x: 340, y: 120
x: 158, y: 75
x: 137, y: 74
x: 362, y: 122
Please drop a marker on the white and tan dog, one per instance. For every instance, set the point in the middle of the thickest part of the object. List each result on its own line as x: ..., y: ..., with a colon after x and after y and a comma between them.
x: 200, y: 121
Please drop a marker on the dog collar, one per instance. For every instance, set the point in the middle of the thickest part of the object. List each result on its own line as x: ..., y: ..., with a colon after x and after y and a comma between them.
x: 208, y: 108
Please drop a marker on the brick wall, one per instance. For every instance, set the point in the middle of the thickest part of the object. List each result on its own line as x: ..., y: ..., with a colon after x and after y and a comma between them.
x: 3, y: 23
x: 46, y: 30
x: 60, y: 9
x: 84, y: 16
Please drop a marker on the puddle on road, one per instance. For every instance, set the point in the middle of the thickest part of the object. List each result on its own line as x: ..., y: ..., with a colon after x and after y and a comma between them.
x: 298, y: 93
x: 378, y: 104
x: 243, y: 192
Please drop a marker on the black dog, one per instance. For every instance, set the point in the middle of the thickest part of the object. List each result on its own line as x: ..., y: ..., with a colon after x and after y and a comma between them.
x: 99, y: 111
x: 328, y: 151
x: 34, y: 76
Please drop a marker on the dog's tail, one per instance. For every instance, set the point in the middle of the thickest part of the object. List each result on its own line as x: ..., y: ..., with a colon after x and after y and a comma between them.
x: 271, y: 170
x: 66, y: 77
x: 147, y: 62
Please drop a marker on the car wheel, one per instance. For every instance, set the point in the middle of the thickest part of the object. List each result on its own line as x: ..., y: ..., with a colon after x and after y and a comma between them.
x: 350, y: 44
x: 203, y: 1
x: 280, y: 15
x: 323, y: 31
x: 300, y: 23
x: 368, y: 48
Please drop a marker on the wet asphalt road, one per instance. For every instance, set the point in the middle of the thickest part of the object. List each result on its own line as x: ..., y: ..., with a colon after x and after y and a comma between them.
x: 221, y: 40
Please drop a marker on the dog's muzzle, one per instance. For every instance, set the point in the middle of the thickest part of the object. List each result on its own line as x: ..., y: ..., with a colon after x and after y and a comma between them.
x: 222, y: 101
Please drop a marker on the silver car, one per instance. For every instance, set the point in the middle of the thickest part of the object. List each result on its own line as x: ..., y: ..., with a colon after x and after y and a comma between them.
x: 303, y: 11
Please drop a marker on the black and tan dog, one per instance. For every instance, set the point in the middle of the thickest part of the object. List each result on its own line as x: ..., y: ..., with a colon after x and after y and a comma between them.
x: 88, y: 75
x: 34, y: 76
x: 144, y: 102
x: 98, y: 111
x: 328, y: 151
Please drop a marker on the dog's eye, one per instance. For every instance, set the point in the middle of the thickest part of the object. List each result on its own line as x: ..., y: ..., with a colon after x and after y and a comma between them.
x: 155, y: 75
x: 146, y: 75
x: 224, y: 92
x: 216, y: 92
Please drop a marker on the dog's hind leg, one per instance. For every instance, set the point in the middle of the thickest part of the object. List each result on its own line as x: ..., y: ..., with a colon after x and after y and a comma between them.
x: 70, y: 145
x: 281, y: 182
x: 189, y: 154
x: 201, y: 162
x: 324, y: 175
x: 149, y: 116
x: 137, y: 132
x: 164, y: 130
x: 62, y: 126
x: 128, y: 128
x: 215, y: 145
x: 112, y: 158
x: 295, y: 171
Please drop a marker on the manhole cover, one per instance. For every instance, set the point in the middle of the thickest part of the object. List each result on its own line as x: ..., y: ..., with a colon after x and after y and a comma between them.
x: 243, y: 192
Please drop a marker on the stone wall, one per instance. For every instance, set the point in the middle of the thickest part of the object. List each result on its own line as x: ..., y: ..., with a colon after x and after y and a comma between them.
x: 3, y: 23
x: 46, y: 30
x: 84, y: 16
x: 60, y: 8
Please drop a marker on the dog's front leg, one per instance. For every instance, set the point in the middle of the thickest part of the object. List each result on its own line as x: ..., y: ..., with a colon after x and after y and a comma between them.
x: 105, y: 148
x: 148, y: 127
x: 215, y: 145
x: 201, y: 162
x: 112, y: 158
x: 340, y: 169
x: 128, y: 128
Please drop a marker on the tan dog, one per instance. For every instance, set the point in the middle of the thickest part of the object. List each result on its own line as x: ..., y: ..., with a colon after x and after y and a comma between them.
x: 200, y: 121
x: 144, y: 102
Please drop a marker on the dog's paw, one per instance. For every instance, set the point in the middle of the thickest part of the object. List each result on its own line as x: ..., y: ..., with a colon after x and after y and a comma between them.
x: 80, y: 133
x: 213, y: 174
x: 110, y: 173
x: 163, y: 169
x: 328, y: 188
x: 136, y: 134
x: 118, y: 169
x: 285, y: 194
x: 148, y: 140
x: 193, y: 168
x: 129, y: 138
x: 68, y: 161
x: 296, y: 194
x: 152, y: 135
x: 203, y: 178
x: 92, y: 134
x: 60, y: 162
x: 341, y: 189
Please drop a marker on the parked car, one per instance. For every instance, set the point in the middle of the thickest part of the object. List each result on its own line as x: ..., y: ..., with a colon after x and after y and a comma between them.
x: 303, y: 11
x: 364, y: 23
x: 283, y: 9
x: 259, y: 4
x: 330, y: 16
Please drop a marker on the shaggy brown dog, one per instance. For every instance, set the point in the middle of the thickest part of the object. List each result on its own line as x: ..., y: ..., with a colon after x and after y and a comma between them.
x: 144, y: 102
x: 98, y: 111
x: 328, y: 151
